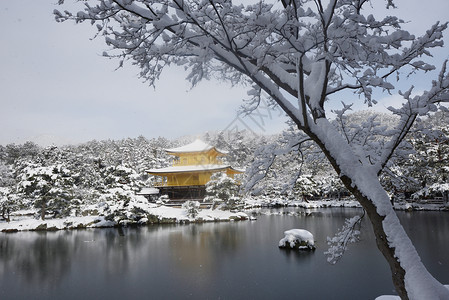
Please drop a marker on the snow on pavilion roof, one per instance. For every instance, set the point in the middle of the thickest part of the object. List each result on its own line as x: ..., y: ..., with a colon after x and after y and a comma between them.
x: 193, y: 168
x: 197, y: 146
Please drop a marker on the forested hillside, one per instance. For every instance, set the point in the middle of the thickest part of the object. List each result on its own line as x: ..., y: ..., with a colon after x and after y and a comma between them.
x: 61, y: 180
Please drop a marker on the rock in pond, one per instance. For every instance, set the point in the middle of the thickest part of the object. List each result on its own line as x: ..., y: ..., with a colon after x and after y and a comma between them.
x: 297, y: 239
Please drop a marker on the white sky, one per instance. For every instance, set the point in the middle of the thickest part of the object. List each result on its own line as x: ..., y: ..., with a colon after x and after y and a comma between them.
x: 55, y: 85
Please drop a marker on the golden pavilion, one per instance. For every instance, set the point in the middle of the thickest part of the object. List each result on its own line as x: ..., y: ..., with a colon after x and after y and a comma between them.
x: 192, y: 168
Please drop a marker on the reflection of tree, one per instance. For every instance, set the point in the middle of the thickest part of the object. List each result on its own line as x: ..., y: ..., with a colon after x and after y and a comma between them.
x: 42, y: 258
x: 44, y: 261
x: 7, y: 253
x: 49, y: 256
x: 119, y: 248
x: 109, y: 251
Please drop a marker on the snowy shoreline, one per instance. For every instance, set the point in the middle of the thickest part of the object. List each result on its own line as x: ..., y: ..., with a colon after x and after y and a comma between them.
x: 329, y: 203
x: 156, y: 215
x: 160, y: 214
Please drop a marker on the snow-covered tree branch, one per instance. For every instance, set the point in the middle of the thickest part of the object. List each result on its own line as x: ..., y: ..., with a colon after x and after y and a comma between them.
x: 302, y: 54
x: 349, y: 233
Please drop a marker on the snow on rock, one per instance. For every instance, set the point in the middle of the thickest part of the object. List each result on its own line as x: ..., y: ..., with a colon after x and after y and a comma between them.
x: 297, y: 239
x: 390, y: 297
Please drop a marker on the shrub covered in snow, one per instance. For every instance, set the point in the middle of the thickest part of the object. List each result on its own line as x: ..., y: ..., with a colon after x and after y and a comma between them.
x: 123, y: 207
x: 434, y: 190
x: 163, y: 199
x: 192, y: 208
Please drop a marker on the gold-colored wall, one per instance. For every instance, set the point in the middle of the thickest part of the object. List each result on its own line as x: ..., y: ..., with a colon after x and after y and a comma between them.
x: 191, y: 159
x: 188, y: 179
x: 185, y: 179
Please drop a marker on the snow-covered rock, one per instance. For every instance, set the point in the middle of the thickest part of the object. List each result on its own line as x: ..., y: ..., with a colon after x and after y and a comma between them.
x: 391, y: 297
x: 297, y: 239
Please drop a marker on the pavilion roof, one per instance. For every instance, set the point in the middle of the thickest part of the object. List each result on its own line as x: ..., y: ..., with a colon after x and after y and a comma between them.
x: 196, y: 146
x: 192, y: 168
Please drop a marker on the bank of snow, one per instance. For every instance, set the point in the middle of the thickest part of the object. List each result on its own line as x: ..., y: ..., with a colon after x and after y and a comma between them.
x: 154, y: 214
x: 267, y: 201
x: 204, y: 215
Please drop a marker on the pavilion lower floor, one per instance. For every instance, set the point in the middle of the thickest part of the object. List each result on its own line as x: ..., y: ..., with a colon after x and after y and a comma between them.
x: 183, y: 193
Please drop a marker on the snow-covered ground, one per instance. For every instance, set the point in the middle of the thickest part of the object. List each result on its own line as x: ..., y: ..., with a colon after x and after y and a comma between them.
x: 267, y: 201
x: 25, y: 220
x: 139, y: 212
x: 263, y: 201
x: 95, y: 215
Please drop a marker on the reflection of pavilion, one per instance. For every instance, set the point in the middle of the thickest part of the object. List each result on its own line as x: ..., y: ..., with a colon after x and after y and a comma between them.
x: 194, y: 165
x: 198, y: 252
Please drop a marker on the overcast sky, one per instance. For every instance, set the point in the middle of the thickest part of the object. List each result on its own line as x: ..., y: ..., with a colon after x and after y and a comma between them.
x: 56, y: 87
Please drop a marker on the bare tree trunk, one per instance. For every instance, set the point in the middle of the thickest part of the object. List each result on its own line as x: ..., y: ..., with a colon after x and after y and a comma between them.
x: 3, y: 215
x: 43, y: 209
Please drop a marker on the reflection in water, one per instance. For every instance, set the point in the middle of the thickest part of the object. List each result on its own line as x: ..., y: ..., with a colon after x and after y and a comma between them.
x: 238, y: 260
x: 197, y: 252
x: 36, y: 258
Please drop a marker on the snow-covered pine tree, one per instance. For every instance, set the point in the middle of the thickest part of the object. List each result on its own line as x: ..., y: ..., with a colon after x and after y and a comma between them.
x: 222, y: 189
x: 49, y: 189
x: 429, y: 164
x: 9, y: 202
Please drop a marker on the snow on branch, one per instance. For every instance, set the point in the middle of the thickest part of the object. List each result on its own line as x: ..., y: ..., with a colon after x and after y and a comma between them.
x: 415, y: 106
x: 265, y: 156
x: 349, y: 233
x: 260, y: 44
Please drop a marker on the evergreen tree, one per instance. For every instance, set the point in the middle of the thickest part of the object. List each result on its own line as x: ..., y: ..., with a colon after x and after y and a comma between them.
x: 222, y: 189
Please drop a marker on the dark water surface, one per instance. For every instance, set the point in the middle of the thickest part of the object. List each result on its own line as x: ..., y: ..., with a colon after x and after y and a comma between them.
x: 238, y: 260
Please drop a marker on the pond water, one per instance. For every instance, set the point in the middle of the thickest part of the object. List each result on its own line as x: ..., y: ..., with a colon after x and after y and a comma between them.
x: 238, y: 260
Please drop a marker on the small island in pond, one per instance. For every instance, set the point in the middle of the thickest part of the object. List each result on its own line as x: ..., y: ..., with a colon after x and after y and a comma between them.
x: 298, y: 239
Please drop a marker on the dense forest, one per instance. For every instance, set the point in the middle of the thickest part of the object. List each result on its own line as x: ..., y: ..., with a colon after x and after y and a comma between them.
x: 98, y: 175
